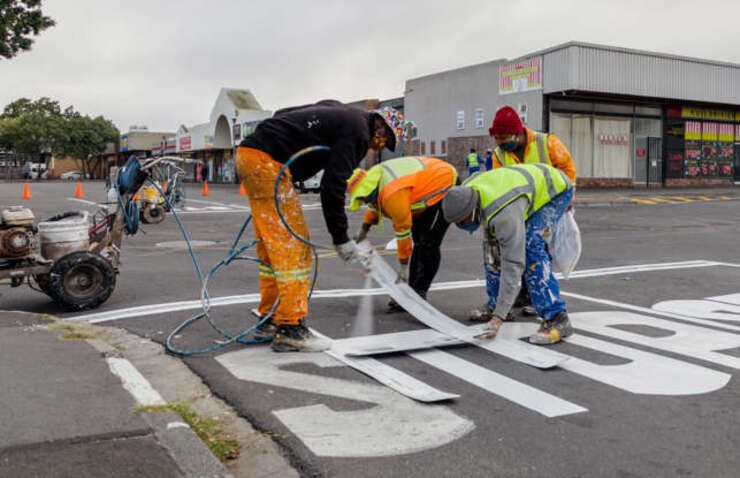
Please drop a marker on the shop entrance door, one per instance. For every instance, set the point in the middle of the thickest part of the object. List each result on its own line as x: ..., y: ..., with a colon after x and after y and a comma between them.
x: 737, y: 162
x: 648, y: 163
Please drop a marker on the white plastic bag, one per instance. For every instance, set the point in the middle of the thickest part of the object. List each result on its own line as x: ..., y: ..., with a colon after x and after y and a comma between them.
x: 565, y: 244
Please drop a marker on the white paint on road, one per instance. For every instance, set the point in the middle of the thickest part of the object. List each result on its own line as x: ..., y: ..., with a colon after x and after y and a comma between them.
x: 497, y: 384
x: 392, y: 425
x: 153, y: 309
x: 134, y: 382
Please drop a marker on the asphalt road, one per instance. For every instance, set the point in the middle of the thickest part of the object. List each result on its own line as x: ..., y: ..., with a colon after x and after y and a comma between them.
x: 650, y: 387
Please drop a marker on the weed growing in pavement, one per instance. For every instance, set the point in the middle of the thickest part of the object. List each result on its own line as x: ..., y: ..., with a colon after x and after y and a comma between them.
x: 209, y: 430
x: 74, y: 331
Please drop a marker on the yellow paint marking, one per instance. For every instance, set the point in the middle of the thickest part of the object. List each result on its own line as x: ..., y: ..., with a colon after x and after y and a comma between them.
x: 704, y: 198
x: 681, y: 198
x: 724, y: 197
x: 643, y: 201
x: 662, y: 200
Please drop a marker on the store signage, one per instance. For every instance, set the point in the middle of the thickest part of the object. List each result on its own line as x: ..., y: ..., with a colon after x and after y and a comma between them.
x: 208, y: 141
x: 614, y: 139
x: 185, y: 143
x: 709, y: 114
x: 124, y: 142
x: 641, y: 152
x: 521, y: 76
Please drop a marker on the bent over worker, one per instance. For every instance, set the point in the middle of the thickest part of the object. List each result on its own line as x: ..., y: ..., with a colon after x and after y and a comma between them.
x: 349, y: 133
x: 408, y: 190
x: 517, y: 144
x: 518, y: 204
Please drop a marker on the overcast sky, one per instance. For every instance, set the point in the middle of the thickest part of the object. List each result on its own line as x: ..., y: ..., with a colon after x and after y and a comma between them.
x: 161, y: 63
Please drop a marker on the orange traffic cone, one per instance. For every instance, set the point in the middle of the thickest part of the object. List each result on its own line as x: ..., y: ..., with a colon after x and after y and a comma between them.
x: 242, y: 191
x: 78, y: 192
x: 205, y: 189
x: 26, y: 191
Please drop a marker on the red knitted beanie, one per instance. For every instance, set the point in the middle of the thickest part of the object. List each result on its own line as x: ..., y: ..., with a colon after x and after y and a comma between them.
x: 506, y: 121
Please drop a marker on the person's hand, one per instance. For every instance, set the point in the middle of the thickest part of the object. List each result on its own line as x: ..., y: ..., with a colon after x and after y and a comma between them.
x: 403, y: 274
x: 362, y: 233
x: 347, y: 251
x: 491, y: 329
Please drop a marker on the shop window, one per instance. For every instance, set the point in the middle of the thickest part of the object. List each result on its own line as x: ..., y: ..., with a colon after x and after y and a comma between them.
x: 575, y: 132
x: 432, y: 148
x: 612, y: 146
x: 444, y: 147
x: 460, y: 120
x: 423, y: 148
x: 614, y: 108
x: 480, y: 118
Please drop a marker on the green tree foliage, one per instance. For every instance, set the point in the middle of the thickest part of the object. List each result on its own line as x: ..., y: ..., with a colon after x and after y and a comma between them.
x: 19, y: 20
x: 42, y: 126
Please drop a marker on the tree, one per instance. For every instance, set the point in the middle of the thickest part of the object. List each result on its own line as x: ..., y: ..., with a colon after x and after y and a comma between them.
x: 42, y: 126
x: 19, y: 20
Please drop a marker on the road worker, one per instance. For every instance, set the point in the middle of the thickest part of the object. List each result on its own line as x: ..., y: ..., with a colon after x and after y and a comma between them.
x: 517, y: 144
x: 349, y: 134
x: 474, y: 161
x: 408, y: 190
x: 517, y: 205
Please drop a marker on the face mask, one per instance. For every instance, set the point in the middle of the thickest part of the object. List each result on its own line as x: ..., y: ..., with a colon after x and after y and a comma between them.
x: 509, y: 146
x: 469, y: 226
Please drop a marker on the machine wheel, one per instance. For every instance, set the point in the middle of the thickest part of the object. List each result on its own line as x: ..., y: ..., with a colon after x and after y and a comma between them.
x: 152, y: 215
x: 81, y: 280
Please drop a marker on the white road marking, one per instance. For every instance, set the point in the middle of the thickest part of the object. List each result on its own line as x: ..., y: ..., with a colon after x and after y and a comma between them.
x: 219, y: 204
x: 134, y: 382
x: 497, y: 384
x: 85, y: 201
x: 153, y: 309
x: 646, y: 310
x: 394, y: 425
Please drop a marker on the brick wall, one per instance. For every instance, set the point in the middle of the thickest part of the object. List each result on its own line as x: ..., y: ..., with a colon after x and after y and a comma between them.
x: 698, y: 182
x: 458, y: 149
x: 604, y: 183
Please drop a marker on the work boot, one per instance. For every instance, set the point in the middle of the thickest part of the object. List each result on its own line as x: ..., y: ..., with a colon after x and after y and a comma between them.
x: 529, y: 311
x: 485, y: 314
x: 552, y: 331
x: 523, y: 299
x: 298, y: 338
x: 265, y: 331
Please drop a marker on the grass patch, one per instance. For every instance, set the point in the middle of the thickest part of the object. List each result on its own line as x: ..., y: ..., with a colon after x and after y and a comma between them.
x: 74, y: 331
x: 209, y: 430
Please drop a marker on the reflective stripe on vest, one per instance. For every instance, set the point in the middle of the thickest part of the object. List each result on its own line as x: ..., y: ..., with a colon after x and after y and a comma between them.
x: 534, y: 155
x: 537, y: 182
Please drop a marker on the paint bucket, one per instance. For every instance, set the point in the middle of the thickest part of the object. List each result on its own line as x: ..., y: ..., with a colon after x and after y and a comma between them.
x: 62, y: 236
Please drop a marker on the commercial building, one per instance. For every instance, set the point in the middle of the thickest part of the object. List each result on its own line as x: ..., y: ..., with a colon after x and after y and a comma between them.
x: 629, y: 117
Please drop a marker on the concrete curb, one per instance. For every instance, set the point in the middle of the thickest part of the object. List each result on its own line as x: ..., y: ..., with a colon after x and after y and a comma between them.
x: 260, y: 456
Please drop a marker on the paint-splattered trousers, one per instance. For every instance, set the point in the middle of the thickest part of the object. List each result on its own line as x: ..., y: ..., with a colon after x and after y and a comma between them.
x: 538, y: 274
x: 287, y: 277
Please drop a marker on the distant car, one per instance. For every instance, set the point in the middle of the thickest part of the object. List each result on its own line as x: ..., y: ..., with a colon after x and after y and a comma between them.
x: 73, y: 175
x: 34, y: 171
x: 312, y: 184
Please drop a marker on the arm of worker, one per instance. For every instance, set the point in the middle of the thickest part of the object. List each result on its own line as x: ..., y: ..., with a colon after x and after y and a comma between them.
x: 510, y: 230
x: 397, y: 207
x: 560, y: 157
x: 371, y: 219
x: 333, y: 187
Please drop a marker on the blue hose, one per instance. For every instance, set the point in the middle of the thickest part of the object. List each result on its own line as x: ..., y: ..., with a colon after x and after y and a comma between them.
x: 235, y: 253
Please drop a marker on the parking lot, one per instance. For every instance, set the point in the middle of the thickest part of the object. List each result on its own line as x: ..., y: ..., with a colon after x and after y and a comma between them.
x: 648, y: 386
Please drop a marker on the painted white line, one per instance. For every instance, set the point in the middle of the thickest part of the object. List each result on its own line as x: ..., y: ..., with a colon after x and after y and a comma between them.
x: 85, y: 201
x: 497, y: 384
x: 134, y: 382
x: 646, y: 310
x: 154, y: 309
x: 215, y: 203
x: 172, y: 425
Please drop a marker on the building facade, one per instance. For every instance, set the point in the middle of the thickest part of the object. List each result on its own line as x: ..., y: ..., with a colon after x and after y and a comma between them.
x: 628, y: 117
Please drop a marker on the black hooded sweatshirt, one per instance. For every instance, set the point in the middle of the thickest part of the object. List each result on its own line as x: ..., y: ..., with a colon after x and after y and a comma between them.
x: 345, y: 130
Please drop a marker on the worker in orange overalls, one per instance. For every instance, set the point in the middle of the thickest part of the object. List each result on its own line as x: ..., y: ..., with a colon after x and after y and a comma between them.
x: 408, y: 190
x: 516, y: 144
x: 350, y: 134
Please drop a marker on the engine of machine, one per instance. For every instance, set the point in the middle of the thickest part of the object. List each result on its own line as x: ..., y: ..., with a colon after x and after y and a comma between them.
x: 17, y: 233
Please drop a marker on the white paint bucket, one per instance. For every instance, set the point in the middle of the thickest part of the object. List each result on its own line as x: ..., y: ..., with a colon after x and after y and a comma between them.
x: 59, y: 238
